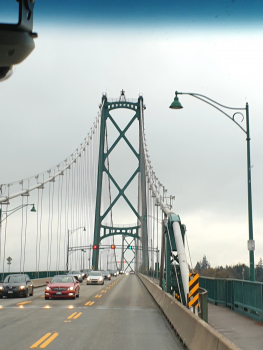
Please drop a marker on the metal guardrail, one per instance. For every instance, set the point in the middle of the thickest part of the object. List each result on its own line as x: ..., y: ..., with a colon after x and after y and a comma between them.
x: 34, y: 274
x: 203, y: 303
x: 244, y: 297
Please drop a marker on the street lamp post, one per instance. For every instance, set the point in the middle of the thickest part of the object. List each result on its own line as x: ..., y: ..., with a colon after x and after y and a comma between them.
x: 12, y: 211
x: 83, y: 251
x: 7, y: 213
x: 177, y: 105
x: 69, y: 234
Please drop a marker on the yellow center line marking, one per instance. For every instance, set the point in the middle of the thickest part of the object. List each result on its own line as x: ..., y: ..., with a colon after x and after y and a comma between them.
x: 107, y: 287
x: 48, y: 341
x: 96, y: 296
x: 87, y: 303
x: 71, y: 316
x: 99, y: 296
x: 42, y: 296
x: 91, y: 303
x: 35, y: 345
x: 24, y: 302
x: 79, y: 314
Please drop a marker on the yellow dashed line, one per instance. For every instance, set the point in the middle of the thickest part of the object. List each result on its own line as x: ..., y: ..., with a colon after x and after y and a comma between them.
x: 87, y: 303
x: 24, y: 302
x: 48, y: 341
x: 71, y: 316
x: 93, y: 302
x: 35, y: 345
x: 77, y: 316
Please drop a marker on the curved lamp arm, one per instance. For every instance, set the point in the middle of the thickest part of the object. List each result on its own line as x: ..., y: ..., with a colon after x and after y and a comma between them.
x: 14, y: 210
x: 215, y: 104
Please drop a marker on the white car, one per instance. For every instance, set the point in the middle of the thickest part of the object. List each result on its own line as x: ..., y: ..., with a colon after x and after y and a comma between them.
x: 95, y: 277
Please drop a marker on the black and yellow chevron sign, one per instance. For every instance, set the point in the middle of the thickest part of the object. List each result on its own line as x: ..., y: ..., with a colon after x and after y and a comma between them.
x: 193, y: 295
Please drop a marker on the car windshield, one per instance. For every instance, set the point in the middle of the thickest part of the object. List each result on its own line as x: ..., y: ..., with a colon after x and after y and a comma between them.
x: 74, y: 272
x: 105, y: 272
x: 15, y: 279
x: 95, y: 273
x: 62, y: 279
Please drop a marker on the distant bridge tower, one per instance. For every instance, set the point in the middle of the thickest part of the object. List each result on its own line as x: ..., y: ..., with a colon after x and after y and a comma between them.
x: 139, y: 232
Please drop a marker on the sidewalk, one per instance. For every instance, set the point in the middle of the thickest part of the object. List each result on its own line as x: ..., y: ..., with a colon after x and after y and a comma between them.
x: 244, y: 332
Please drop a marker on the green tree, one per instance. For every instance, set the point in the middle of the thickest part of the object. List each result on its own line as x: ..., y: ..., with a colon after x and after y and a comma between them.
x: 204, y: 263
x: 259, y: 271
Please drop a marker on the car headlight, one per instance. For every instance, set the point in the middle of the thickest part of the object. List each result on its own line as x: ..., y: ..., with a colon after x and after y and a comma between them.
x: 70, y: 288
x: 22, y: 287
x: 79, y: 276
x: 100, y: 278
x: 83, y: 274
x: 1, y: 288
x: 48, y: 288
x: 108, y: 276
x: 88, y: 279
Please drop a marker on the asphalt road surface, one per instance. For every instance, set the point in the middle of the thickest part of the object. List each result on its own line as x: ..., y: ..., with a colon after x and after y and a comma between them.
x: 119, y: 315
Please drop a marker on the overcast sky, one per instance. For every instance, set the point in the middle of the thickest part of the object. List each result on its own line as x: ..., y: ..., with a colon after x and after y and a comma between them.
x: 86, y: 48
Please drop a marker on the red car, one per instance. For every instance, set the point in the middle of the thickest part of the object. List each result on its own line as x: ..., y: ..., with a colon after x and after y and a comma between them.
x: 62, y: 286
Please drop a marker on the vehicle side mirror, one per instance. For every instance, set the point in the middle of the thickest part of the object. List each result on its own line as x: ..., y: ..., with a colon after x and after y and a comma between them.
x: 47, y: 282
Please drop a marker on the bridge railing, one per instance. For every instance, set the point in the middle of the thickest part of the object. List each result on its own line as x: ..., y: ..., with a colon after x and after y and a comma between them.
x: 244, y: 297
x: 33, y: 274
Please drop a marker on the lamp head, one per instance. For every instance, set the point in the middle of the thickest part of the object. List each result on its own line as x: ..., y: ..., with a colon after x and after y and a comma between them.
x: 84, y: 229
x: 33, y: 208
x: 176, y: 103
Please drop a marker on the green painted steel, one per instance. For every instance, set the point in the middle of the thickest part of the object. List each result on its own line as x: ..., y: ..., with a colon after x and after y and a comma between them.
x: 101, y: 231
x: 244, y: 297
x: 174, y: 284
x: 34, y: 274
x: 125, y: 231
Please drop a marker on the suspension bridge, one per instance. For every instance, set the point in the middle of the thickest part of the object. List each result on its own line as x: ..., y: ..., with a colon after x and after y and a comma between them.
x: 72, y: 217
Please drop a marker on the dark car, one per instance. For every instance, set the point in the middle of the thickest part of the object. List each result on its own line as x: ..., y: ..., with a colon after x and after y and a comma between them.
x: 17, y: 285
x: 113, y: 273
x: 62, y: 286
x: 86, y: 272
x: 106, y: 275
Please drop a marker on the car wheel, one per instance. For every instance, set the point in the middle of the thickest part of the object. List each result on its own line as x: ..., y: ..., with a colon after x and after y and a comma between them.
x: 32, y: 292
x: 74, y: 296
x: 78, y: 294
x: 46, y: 298
x: 1, y: 297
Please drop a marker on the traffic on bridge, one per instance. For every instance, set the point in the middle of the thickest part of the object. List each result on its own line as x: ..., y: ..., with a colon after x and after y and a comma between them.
x: 93, y: 251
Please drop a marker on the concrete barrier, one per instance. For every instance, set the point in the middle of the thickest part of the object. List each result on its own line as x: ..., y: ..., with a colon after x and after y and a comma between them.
x: 194, y: 333
x: 40, y: 282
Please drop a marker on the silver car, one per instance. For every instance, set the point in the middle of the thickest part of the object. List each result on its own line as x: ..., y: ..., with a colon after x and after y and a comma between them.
x: 77, y: 274
x: 95, y: 277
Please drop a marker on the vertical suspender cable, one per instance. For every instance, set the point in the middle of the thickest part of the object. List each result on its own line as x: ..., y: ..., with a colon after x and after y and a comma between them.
x: 5, y: 239
x: 40, y: 227
x: 25, y: 232
x: 21, y: 234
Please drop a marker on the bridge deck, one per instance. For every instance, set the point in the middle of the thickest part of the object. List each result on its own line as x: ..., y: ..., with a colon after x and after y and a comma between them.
x: 124, y: 317
x: 244, y: 332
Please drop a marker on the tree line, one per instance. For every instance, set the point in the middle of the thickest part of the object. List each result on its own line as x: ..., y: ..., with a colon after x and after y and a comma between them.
x: 238, y: 271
